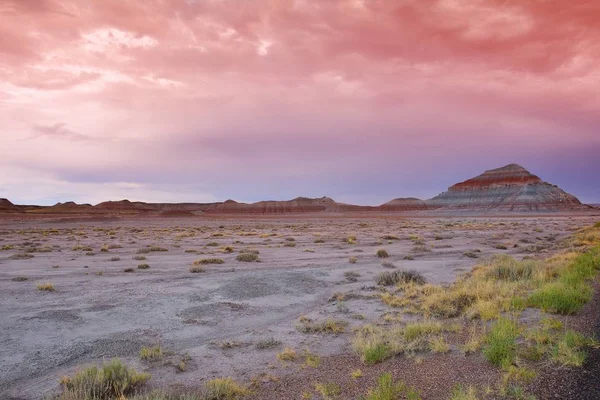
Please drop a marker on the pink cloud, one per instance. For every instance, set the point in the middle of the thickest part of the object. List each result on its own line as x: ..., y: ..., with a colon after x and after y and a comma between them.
x: 264, y: 90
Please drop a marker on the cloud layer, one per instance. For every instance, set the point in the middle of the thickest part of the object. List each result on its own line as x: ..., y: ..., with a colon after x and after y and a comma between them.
x: 359, y: 100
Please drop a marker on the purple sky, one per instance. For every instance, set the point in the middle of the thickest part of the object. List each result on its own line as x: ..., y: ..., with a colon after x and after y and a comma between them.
x: 362, y: 101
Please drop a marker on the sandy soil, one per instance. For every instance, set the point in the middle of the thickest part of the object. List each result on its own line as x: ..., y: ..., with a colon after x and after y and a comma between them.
x: 100, y: 311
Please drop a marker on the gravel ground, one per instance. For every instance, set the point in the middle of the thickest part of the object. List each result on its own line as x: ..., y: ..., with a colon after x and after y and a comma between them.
x: 100, y: 311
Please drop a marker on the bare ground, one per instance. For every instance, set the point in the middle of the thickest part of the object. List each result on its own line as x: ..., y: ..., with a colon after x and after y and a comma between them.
x: 100, y: 311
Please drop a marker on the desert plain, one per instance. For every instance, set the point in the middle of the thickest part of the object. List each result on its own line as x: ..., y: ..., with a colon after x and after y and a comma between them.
x: 230, y: 297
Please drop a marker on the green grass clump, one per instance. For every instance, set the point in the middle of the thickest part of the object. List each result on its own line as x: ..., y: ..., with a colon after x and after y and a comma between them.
x: 376, y: 353
x: 110, y: 381
x: 224, y: 389
x: 500, y: 343
x: 386, y: 389
x: 247, y: 257
x: 560, y: 298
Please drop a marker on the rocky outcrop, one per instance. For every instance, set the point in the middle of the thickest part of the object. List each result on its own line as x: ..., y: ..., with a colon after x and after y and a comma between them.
x: 511, y: 188
x: 404, y: 204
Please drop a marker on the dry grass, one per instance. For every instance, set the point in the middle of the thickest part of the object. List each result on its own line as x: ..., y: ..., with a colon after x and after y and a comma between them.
x: 332, y: 326
x: 197, y: 269
x: 247, y: 257
x: 206, y: 261
x: 46, y: 287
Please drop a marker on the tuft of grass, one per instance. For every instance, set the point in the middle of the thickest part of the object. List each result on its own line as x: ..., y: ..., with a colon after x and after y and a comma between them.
x: 151, y: 353
x: 389, y: 278
x: 139, y: 258
x: 500, y: 343
x: 357, y: 373
x: 351, y: 276
x: 224, y: 389
x: 111, y: 380
x: 227, y: 249
x: 21, y: 256
x: 439, y: 345
x: 128, y: 270
x: 376, y: 353
x: 267, y: 343
x: 247, y: 257
x: 288, y: 354
x: 46, y: 287
x: 311, y: 360
x: 569, y: 349
x: 332, y: 326
x: 381, y: 253
x: 114, y: 259
x: 197, y: 269
x: 206, y: 261
x: 353, y: 259
x: 19, y: 278
x: 143, y: 266
x: 460, y: 392
x: 386, y: 389
x: 328, y: 390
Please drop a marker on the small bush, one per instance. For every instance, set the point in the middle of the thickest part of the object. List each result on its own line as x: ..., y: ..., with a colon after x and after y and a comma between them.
x: 114, y: 259
x: 206, y: 261
x: 227, y: 249
x: 19, y: 278
x: 224, y: 389
x: 47, y: 287
x: 139, y: 258
x: 112, y: 380
x: 197, y: 269
x: 381, y: 253
x: 128, y: 270
x: 247, y: 257
x: 353, y: 259
x: 143, y: 266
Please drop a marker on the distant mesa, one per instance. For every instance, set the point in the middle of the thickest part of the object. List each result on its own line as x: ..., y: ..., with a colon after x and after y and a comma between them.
x: 405, y: 204
x: 511, y: 188
x: 7, y: 206
x: 507, y: 189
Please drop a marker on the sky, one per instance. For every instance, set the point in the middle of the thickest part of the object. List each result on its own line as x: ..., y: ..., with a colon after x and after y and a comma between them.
x: 359, y: 100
